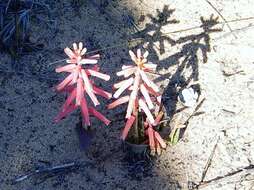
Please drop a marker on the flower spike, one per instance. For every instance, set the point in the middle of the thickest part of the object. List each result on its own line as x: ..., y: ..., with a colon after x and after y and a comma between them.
x: 78, y: 84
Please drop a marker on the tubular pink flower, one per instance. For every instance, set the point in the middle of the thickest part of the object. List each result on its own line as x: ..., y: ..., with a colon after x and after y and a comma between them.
x: 88, y: 88
x: 65, y: 82
x: 66, y: 68
x: 127, y: 127
x: 64, y: 113
x: 133, y: 95
x: 102, y: 93
x: 119, y: 101
x: 148, y: 82
x: 126, y: 72
x: 151, y: 138
x: 124, y: 86
x: 70, y: 99
x: 159, y: 139
x: 85, y: 112
x: 121, y: 83
x: 98, y: 74
x: 79, y: 91
x: 97, y: 114
x: 146, y: 96
x: 144, y: 107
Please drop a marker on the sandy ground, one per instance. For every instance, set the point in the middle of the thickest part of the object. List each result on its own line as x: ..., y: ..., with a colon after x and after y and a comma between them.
x: 216, y: 150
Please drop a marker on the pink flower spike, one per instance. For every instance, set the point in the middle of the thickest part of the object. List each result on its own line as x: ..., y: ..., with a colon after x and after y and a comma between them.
x: 88, y: 61
x: 159, y: 139
x: 150, y: 132
x: 144, y: 107
x: 98, y: 74
x: 119, y: 101
x: 97, y: 114
x: 84, y: 111
x: 124, y: 86
x: 64, y: 83
x: 63, y: 114
x: 146, y: 96
x: 88, y: 88
x: 69, y: 53
x: 148, y: 82
x: 66, y: 68
x: 102, y: 93
x: 79, y: 91
x: 127, y: 127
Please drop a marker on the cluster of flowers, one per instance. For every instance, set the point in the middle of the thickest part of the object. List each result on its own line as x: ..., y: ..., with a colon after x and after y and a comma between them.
x: 143, y: 93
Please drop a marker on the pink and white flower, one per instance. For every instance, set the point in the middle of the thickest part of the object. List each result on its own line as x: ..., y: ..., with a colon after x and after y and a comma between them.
x: 144, y: 96
x: 78, y: 83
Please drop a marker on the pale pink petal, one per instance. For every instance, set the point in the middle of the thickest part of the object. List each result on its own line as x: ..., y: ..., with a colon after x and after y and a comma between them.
x: 88, y: 61
x: 66, y: 68
x: 123, y: 87
x: 121, y: 83
x: 79, y: 91
x: 83, y: 51
x: 127, y: 127
x: 64, y: 113
x: 159, y: 139
x: 148, y: 82
x: 133, y: 95
x: 69, y: 53
x: 80, y: 46
x: 102, y: 93
x: 133, y: 56
x: 84, y: 111
x: 126, y: 72
x: 97, y: 114
x: 146, y: 96
x: 88, y: 88
x: 98, y: 74
x: 144, y: 107
x: 64, y: 83
x: 139, y: 53
x: 119, y: 101
x: 75, y: 47
x: 145, y: 55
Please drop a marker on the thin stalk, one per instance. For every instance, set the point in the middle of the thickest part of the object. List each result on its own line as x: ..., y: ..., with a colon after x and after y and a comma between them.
x: 135, y: 131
